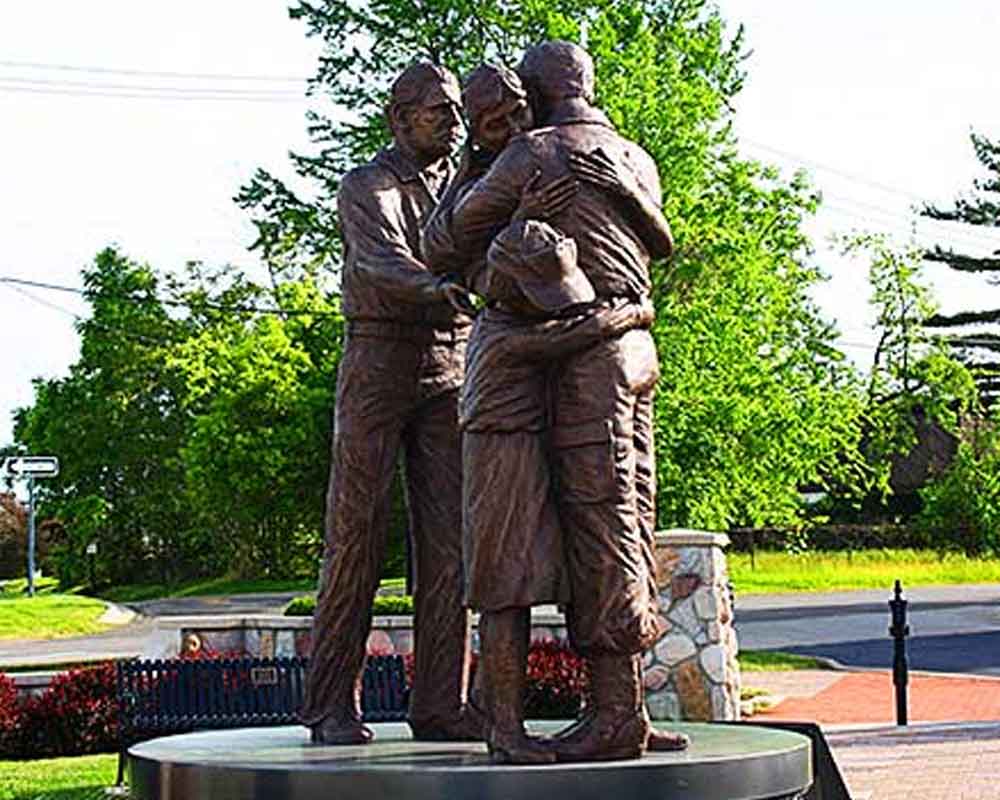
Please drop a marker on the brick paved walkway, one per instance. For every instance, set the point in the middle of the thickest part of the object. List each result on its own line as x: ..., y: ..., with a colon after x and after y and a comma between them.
x: 950, y: 751
x: 934, y: 763
x: 867, y: 697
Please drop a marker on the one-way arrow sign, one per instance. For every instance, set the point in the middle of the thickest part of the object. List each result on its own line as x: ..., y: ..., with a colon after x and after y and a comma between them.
x: 34, y: 466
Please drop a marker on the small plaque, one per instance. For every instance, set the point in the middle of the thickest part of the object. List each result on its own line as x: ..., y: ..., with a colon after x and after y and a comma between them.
x: 264, y: 676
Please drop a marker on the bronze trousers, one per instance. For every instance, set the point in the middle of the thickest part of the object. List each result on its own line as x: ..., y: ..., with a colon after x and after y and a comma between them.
x: 602, y: 443
x: 393, y: 398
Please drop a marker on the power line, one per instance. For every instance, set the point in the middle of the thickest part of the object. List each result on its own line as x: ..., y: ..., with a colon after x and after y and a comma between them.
x: 194, y: 90
x: 834, y: 170
x: 118, y: 95
x: 236, y: 308
x: 127, y: 334
x: 153, y: 73
x: 975, y: 232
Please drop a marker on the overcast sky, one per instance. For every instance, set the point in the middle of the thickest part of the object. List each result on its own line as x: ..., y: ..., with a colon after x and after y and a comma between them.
x: 875, y: 99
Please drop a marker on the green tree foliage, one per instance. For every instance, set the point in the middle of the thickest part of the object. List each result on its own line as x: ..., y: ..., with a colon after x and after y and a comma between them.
x: 258, y: 392
x: 913, y: 375
x: 961, y: 509
x: 974, y: 335
x: 754, y: 399
x: 193, y: 430
x: 116, y: 426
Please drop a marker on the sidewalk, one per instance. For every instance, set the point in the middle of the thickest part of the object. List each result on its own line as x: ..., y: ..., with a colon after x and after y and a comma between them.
x: 950, y: 750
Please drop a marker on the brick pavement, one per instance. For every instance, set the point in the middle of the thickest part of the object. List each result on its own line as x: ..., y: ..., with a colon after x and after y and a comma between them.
x: 920, y: 763
x: 867, y: 697
x: 950, y: 751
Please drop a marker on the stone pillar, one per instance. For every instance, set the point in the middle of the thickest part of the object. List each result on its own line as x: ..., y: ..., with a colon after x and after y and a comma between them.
x: 692, y: 672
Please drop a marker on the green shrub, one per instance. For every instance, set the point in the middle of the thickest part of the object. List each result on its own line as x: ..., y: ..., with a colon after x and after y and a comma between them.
x: 301, y: 606
x: 392, y: 604
x: 961, y: 508
x: 383, y: 605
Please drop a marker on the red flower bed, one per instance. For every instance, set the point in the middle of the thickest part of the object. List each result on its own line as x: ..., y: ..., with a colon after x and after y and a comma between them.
x: 9, y: 713
x: 558, y: 681
x: 75, y: 715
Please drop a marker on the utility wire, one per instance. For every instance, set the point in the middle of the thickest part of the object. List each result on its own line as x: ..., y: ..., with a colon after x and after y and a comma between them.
x: 101, y: 85
x: 239, y: 309
x: 122, y: 332
x: 154, y: 74
x: 262, y: 98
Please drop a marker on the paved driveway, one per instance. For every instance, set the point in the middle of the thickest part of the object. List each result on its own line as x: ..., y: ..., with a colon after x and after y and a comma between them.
x: 953, y: 628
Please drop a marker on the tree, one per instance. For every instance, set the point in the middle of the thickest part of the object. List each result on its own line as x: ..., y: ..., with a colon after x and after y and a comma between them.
x: 259, y: 391
x: 979, y: 348
x: 914, y: 383
x: 116, y: 426
x: 13, y: 536
x: 754, y: 401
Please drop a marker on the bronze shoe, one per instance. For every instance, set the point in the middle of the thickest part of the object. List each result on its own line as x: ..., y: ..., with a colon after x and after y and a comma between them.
x: 336, y: 732
x: 660, y: 741
x: 516, y: 747
x: 471, y: 726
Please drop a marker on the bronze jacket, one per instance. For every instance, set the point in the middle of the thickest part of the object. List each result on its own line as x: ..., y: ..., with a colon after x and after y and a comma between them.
x: 382, y: 205
x: 610, y: 250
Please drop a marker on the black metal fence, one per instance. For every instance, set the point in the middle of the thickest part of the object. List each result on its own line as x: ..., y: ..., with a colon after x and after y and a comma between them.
x: 178, y: 695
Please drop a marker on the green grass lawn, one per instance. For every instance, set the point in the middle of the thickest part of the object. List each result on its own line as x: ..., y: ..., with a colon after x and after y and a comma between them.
x: 767, y: 661
x: 81, y: 778
x: 48, y: 616
x: 860, y: 569
x: 774, y: 572
x: 205, y: 587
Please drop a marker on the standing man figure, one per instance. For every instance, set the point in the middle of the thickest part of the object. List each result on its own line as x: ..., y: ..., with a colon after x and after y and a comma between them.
x: 601, y: 438
x: 397, y: 392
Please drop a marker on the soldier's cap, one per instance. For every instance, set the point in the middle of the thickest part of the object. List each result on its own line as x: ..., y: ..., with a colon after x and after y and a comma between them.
x: 542, y: 263
x: 423, y: 82
x: 486, y: 87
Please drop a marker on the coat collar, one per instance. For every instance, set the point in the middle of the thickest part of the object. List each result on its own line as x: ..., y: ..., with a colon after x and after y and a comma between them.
x: 393, y: 159
x: 578, y: 114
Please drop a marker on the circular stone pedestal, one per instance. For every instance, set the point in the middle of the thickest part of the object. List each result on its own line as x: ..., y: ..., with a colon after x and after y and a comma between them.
x: 724, y: 762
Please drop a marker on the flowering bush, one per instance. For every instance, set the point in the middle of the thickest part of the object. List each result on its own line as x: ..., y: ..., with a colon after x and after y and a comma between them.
x: 77, y: 714
x: 8, y: 713
x: 558, y: 681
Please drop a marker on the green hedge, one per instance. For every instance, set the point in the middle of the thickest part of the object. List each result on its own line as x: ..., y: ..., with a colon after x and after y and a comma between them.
x: 383, y: 605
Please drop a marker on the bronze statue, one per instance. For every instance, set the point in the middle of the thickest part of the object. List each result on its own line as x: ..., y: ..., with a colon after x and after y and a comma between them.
x: 599, y: 400
x: 540, y: 308
x: 397, y: 392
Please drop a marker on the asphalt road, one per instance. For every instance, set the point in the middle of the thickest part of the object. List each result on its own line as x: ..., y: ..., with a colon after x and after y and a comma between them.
x: 952, y: 628
x: 132, y: 639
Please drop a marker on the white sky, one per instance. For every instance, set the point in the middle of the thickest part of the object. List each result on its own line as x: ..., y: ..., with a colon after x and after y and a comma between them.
x: 871, y: 94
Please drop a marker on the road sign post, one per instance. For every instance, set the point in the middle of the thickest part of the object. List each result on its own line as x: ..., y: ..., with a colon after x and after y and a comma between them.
x: 31, y: 535
x: 31, y: 468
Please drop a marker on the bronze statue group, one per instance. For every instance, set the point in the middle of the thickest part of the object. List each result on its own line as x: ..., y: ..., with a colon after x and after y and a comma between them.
x: 525, y: 429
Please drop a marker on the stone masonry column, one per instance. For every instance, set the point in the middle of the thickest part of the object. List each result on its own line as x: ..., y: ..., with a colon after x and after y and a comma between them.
x: 692, y: 672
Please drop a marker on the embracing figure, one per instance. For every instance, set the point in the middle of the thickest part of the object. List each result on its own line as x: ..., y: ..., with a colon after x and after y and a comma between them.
x: 557, y: 403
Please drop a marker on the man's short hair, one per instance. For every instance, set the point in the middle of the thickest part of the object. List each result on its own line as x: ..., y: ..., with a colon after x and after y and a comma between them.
x: 486, y: 88
x: 410, y: 88
x: 558, y: 69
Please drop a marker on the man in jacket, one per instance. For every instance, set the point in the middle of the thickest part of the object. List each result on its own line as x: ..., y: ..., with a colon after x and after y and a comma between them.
x: 397, y: 392
x: 601, y: 437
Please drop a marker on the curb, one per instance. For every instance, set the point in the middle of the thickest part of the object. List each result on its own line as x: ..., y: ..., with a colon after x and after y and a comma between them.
x: 115, y: 614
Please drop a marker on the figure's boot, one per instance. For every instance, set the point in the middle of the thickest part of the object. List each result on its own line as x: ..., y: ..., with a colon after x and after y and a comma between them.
x: 503, y: 646
x: 344, y: 726
x: 659, y: 740
x: 618, y: 728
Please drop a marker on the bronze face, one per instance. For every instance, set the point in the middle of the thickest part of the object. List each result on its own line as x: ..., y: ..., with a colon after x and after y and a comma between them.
x: 433, y: 128
x: 497, y: 126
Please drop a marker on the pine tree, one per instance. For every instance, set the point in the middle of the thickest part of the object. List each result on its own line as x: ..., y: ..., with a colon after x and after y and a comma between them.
x: 975, y: 335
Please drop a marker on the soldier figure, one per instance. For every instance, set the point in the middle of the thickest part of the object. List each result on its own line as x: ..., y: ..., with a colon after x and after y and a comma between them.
x: 601, y: 399
x: 397, y: 392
